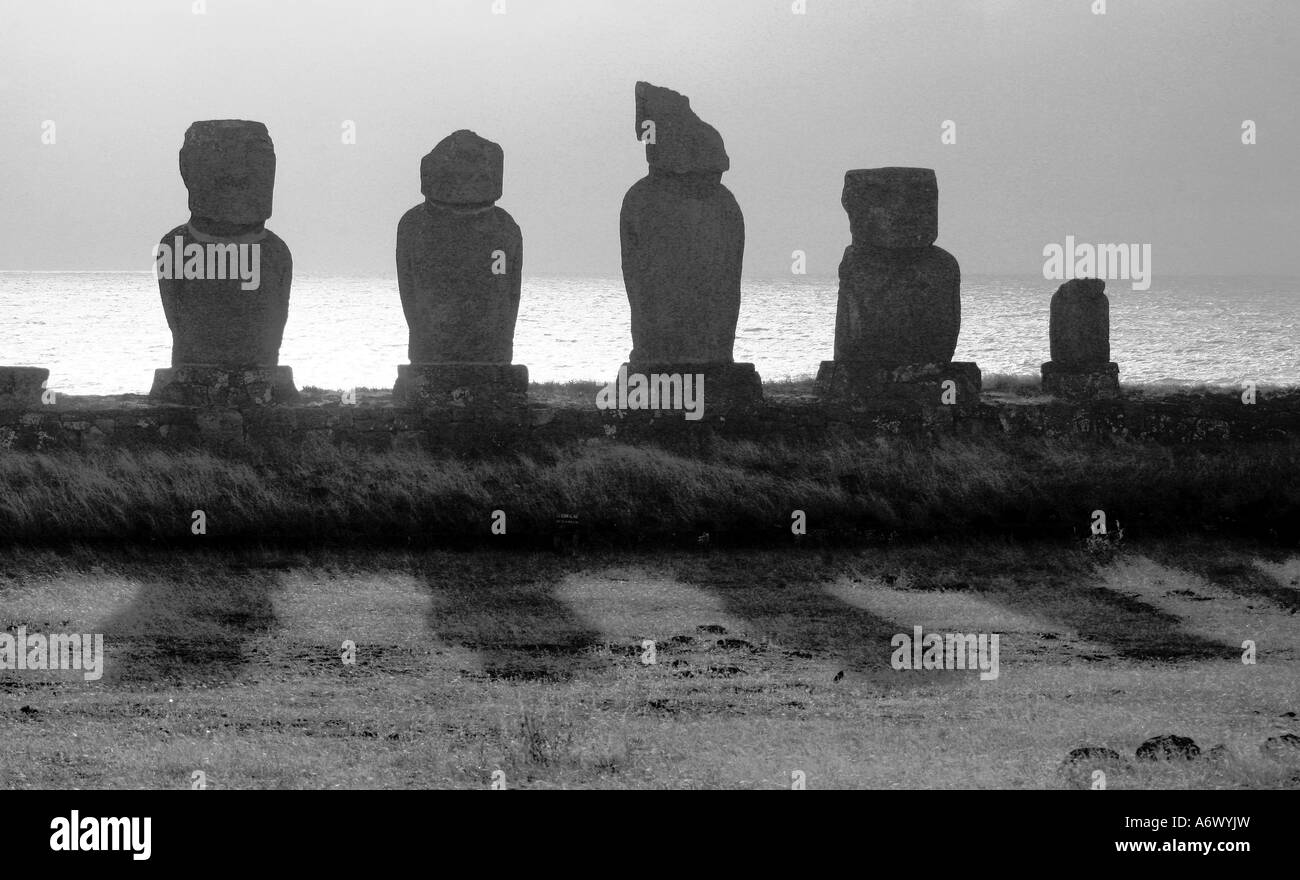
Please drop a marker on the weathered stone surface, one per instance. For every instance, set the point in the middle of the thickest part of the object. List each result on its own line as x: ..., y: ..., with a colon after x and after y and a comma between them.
x: 463, y: 169
x: 228, y: 166
x: 458, y: 308
x: 221, y: 426
x: 215, y: 321
x: 210, y: 386
x: 1097, y: 382
x: 1168, y: 748
x: 719, y: 388
x: 898, y: 307
x: 1095, y: 756
x: 683, y: 242
x: 892, y: 207
x: 1080, y: 324
x: 683, y: 143
x: 461, y: 385
x: 861, y: 383
x: 131, y: 421
x: 683, y: 238
x: 1284, y: 748
x: 1081, y: 763
x: 20, y: 387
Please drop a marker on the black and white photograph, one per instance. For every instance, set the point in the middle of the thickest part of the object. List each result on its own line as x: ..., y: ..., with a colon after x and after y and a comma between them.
x: 789, y: 395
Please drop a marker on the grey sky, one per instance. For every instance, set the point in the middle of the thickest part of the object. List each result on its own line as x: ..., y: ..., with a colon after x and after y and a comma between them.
x: 1123, y: 127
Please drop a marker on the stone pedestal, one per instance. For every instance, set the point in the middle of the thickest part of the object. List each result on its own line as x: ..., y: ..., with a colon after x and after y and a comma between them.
x: 1081, y: 382
x: 216, y: 386
x: 21, y: 387
x: 716, y: 389
x: 463, y: 385
x: 858, y: 383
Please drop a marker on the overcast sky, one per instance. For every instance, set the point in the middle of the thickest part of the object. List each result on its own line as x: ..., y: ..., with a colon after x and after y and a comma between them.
x: 1122, y: 127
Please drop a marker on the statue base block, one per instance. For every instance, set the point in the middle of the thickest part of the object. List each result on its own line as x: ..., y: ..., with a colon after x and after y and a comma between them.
x: 228, y: 387
x: 867, y: 384
x: 444, y: 386
x: 1099, y: 382
x: 686, y: 390
x: 21, y: 387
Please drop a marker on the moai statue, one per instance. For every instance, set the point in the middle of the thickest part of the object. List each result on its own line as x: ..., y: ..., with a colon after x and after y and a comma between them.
x: 223, y: 276
x: 899, y: 306
x: 683, y: 239
x: 1079, y: 331
x: 459, y: 270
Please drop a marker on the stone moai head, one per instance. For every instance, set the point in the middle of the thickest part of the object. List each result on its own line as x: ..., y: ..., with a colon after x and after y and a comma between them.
x: 463, y: 169
x: 892, y: 207
x: 683, y: 143
x: 228, y: 166
x: 1079, y: 327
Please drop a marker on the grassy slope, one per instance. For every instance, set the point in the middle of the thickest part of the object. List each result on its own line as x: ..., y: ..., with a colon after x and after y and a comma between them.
x: 627, y: 495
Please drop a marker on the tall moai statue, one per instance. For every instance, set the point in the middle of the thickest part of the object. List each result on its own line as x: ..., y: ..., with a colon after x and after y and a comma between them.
x: 223, y: 276
x: 899, y: 308
x: 1079, y: 333
x: 459, y: 271
x: 683, y: 240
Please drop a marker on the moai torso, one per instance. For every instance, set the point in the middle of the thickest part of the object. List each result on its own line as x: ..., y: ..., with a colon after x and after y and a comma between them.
x: 460, y: 258
x: 898, y: 307
x: 1079, y: 328
x: 227, y: 297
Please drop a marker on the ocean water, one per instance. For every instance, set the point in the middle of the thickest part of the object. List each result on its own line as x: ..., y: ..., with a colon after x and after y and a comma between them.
x: 104, y: 332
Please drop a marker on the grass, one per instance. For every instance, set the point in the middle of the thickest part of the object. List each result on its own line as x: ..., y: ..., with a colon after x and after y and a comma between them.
x: 530, y: 665
x: 627, y: 495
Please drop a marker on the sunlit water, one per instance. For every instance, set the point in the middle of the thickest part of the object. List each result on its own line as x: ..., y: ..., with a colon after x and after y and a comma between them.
x: 104, y: 332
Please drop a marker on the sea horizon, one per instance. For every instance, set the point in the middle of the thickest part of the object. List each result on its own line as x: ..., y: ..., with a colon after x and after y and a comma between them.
x: 106, y: 333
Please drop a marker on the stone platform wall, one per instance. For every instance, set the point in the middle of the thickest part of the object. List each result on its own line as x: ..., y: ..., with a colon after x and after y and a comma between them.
x: 88, y: 423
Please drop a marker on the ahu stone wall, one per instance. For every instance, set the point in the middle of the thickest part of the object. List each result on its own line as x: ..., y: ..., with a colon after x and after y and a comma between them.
x: 86, y: 423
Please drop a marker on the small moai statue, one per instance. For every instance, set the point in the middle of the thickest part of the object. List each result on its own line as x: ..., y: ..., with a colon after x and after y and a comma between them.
x: 459, y: 272
x: 899, y: 308
x: 1079, y: 332
x: 683, y: 240
x: 223, y: 276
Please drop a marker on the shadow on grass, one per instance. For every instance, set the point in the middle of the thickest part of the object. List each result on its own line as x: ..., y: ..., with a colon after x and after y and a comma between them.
x: 1057, y: 583
x: 783, y: 596
x: 193, y: 619
x: 508, y: 613
x: 1232, y: 569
